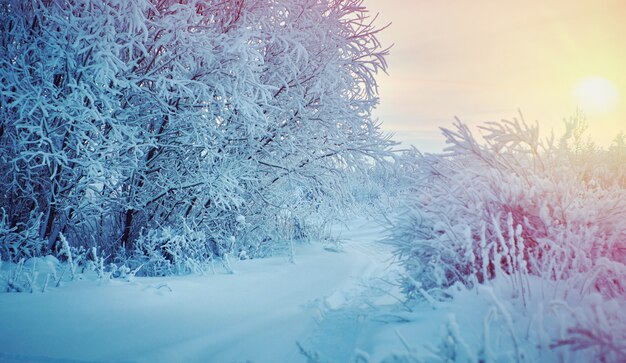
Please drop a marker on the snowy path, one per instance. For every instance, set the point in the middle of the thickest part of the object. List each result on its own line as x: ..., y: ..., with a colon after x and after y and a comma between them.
x: 258, y: 314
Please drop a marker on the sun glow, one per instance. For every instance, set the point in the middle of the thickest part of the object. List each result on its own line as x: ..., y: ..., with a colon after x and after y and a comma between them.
x: 596, y: 95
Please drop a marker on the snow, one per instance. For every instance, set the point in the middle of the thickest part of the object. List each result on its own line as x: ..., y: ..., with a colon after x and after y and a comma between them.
x: 331, y: 305
x: 257, y: 314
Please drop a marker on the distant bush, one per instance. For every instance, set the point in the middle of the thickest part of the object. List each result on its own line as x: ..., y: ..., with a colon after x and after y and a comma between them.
x: 514, y: 206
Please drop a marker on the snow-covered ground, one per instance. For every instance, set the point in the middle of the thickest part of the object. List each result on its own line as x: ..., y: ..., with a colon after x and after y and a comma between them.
x: 330, y: 306
x: 257, y: 314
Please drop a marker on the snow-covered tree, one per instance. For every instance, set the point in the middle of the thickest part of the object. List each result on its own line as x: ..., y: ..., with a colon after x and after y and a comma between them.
x: 118, y: 117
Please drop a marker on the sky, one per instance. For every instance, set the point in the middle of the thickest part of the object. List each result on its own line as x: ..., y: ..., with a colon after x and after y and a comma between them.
x: 484, y: 60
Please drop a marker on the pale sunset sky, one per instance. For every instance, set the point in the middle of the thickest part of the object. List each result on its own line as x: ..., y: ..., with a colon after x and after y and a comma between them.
x: 482, y: 60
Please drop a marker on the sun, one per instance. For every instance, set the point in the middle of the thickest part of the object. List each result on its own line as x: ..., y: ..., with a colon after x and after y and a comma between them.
x: 596, y: 95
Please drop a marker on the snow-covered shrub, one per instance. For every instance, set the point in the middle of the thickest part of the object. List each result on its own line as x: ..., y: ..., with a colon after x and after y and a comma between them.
x: 514, y: 203
x: 21, y: 240
x: 597, y: 329
x: 34, y: 274
x: 515, y: 207
x: 169, y: 251
x: 67, y: 253
x: 377, y: 191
